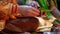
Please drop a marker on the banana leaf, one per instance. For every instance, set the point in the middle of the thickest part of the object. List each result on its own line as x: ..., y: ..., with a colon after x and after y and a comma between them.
x: 44, y: 5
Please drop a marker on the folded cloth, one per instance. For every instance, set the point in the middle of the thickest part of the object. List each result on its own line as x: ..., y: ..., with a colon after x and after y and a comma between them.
x: 45, y: 25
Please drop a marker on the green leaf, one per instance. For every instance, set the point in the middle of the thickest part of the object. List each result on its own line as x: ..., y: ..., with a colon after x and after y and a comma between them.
x: 56, y: 22
x: 44, y: 6
x: 34, y: 33
x: 43, y: 3
x: 48, y: 15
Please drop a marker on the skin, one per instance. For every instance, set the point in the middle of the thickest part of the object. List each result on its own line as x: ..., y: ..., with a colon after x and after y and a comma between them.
x: 32, y: 12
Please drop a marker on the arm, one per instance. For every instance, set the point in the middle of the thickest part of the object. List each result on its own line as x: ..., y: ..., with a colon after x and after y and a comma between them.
x: 55, y: 12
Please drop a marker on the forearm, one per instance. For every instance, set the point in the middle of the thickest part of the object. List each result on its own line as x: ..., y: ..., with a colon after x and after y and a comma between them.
x: 55, y: 12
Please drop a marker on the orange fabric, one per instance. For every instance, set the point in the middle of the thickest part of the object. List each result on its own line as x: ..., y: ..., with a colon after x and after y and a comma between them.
x: 14, y: 9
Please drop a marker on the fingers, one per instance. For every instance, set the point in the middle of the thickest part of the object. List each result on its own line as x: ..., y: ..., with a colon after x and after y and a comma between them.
x: 35, y: 10
x: 31, y: 12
